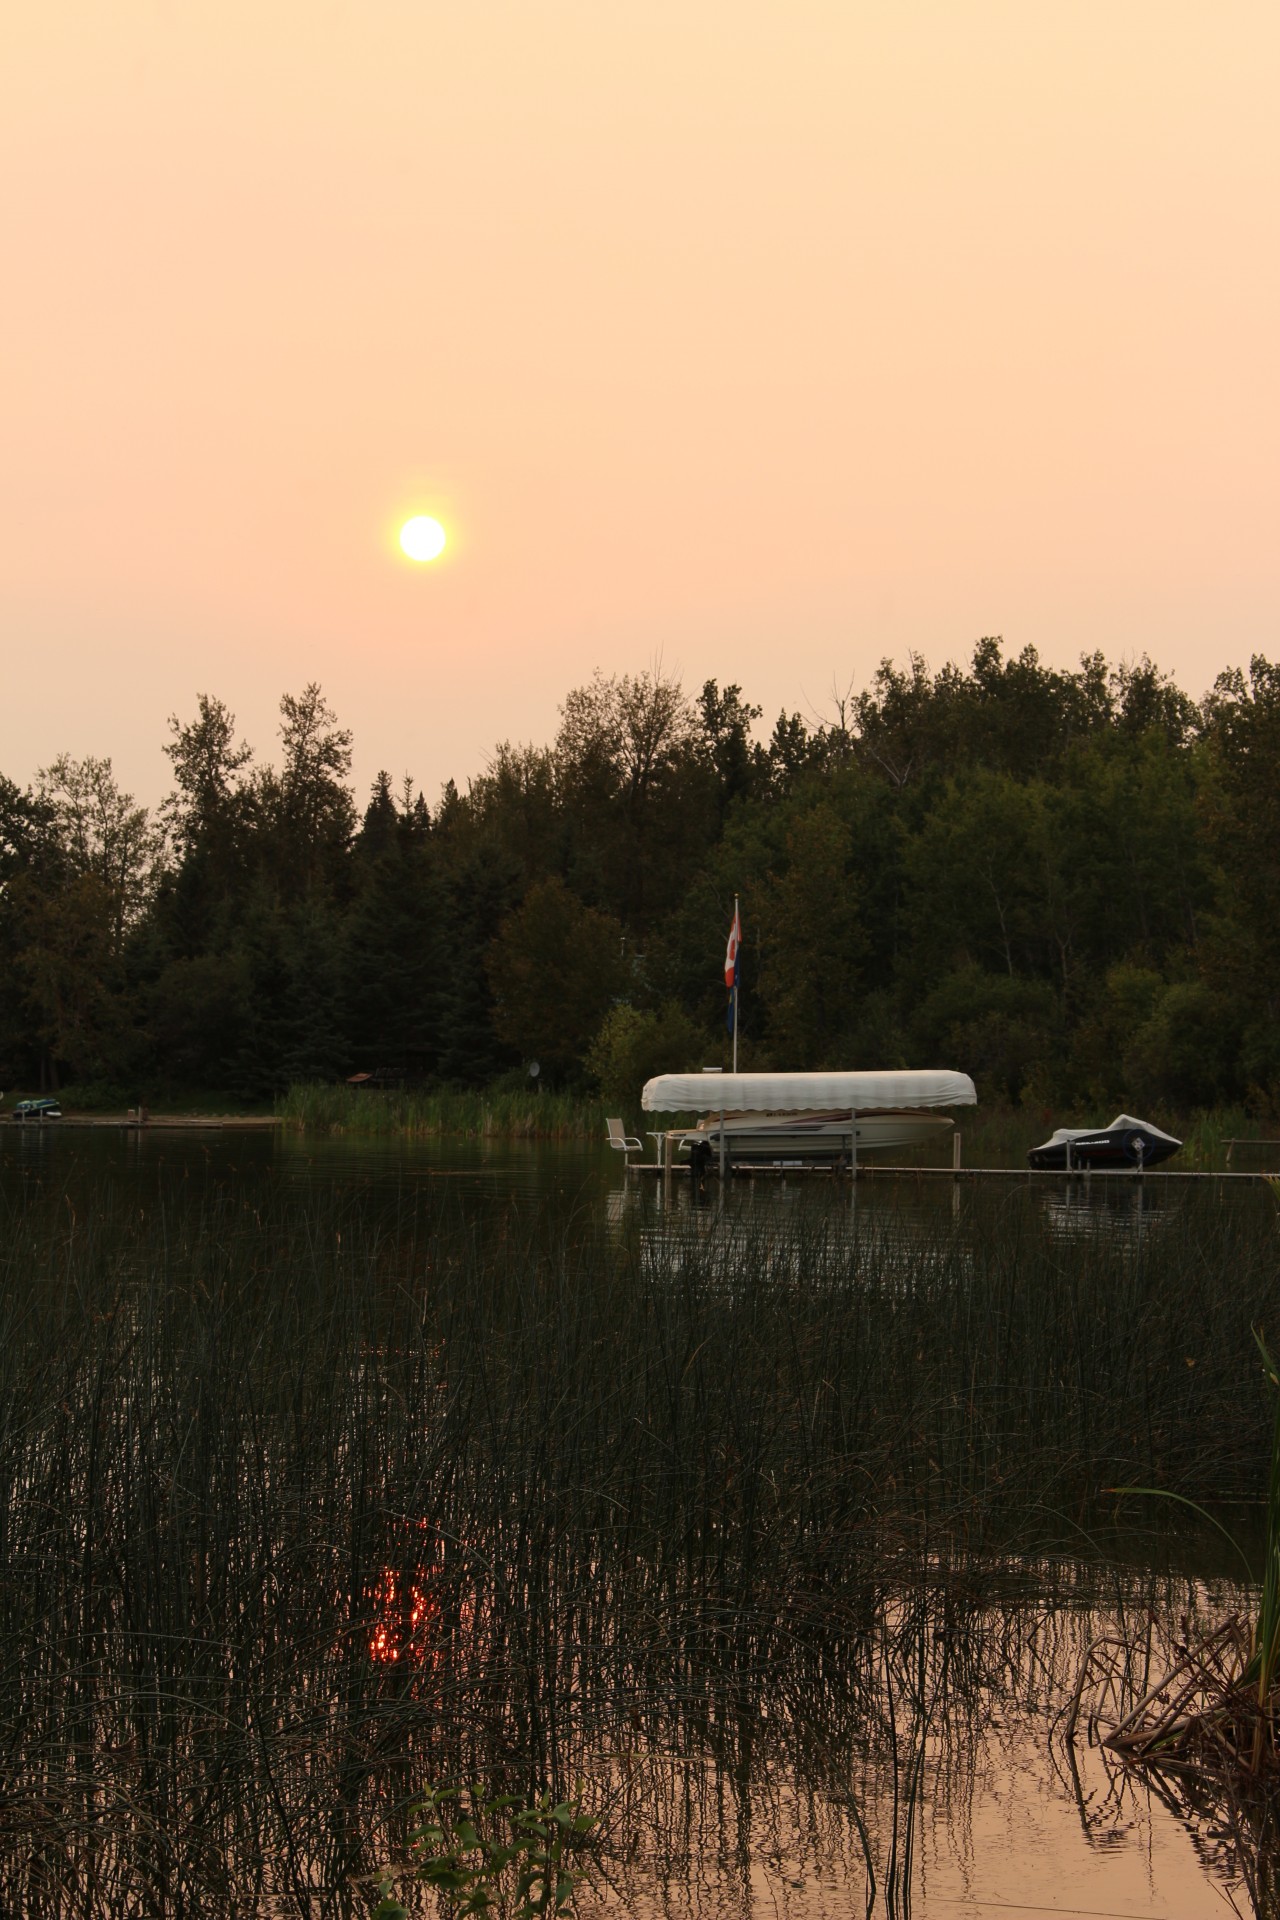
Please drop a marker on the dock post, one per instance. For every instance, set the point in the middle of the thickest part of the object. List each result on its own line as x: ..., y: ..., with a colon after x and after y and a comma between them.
x: 667, y: 1145
x: 724, y: 1155
x: 955, y: 1151
x: 853, y: 1152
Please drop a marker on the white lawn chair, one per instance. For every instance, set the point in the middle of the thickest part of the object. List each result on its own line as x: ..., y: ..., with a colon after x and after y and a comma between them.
x: 624, y: 1142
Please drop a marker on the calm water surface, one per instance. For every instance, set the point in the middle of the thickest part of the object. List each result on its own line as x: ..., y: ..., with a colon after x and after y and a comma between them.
x: 752, y: 1784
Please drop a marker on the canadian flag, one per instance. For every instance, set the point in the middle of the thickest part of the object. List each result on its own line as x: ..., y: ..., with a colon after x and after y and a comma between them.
x: 731, y: 951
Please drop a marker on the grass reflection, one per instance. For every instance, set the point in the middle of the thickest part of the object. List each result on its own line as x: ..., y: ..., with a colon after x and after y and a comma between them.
x: 312, y: 1497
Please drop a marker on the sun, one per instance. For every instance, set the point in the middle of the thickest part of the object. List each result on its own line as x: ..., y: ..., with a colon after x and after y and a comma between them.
x: 422, y: 538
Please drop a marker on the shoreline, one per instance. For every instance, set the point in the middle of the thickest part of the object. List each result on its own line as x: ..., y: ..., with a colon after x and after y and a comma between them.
x: 1215, y: 1142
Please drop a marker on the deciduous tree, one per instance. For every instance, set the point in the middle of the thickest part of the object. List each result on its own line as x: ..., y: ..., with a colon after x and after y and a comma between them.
x: 554, y: 968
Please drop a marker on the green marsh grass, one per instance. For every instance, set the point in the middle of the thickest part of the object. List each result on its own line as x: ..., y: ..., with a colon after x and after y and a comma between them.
x: 992, y: 1135
x: 460, y: 1115
x: 312, y: 1496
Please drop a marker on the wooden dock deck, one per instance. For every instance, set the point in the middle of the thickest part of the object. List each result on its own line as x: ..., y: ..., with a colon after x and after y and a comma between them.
x: 653, y: 1169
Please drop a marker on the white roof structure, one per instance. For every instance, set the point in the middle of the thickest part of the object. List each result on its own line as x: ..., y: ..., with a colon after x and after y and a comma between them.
x: 797, y: 1092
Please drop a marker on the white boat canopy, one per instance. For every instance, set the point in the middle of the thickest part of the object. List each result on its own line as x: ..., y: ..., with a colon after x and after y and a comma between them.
x: 798, y: 1092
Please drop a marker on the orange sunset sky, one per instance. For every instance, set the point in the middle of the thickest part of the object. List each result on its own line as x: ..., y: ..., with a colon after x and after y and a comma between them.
x: 762, y: 338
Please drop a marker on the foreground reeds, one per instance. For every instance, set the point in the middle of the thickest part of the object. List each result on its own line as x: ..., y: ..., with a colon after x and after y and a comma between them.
x: 1205, y: 1721
x: 311, y: 1496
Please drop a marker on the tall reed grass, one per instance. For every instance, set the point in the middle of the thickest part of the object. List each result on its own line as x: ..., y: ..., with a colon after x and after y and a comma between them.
x: 992, y: 1135
x: 462, y: 1115
x: 307, y: 1497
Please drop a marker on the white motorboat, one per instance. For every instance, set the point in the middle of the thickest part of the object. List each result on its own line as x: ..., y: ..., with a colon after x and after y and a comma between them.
x: 799, y: 1119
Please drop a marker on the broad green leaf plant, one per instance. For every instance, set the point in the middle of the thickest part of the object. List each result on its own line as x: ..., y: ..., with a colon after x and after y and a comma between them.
x: 498, y: 1855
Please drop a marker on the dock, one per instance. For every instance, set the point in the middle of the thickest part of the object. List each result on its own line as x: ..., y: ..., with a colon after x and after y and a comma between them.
x: 868, y: 1170
x: 654, y: 1170
x: 665, y: 1165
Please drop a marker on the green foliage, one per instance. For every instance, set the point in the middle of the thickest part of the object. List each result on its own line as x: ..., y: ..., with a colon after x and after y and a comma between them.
x: 554, y: 967
x: 392, y: 946
x: 69, y: 974
x: 977, y: 873
x: 632, y: 1046
x: 208, y: 763
x: 494, y: 1854
x: 308, y: 801
x: 1002, y: 1026
x: 479, y: 892
x: 1067, y: 883
x: 196, y: 1012
x: 1183, y: 1053
x: 633, y: 784
x: 813, y: 940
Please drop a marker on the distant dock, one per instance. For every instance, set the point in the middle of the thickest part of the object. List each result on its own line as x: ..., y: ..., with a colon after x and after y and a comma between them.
x: 654, y: 1170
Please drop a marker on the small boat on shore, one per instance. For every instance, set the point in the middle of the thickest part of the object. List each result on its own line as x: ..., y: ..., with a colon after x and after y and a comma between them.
x: 28, y: 1111
x: 1126, y: 1144
x: 805, y: 1119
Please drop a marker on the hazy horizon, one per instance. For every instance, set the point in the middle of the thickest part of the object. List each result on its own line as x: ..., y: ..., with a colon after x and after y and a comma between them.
x: 367, y: 763
x: 765, y: 341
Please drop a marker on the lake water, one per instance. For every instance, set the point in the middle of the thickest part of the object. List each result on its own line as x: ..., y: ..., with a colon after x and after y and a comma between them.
x: 864, y: 1745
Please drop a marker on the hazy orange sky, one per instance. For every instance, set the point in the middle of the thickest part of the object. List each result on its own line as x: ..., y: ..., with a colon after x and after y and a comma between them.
x: 765, y: 338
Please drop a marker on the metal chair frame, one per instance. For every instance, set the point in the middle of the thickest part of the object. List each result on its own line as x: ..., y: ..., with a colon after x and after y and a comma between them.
x: 624, y: 1142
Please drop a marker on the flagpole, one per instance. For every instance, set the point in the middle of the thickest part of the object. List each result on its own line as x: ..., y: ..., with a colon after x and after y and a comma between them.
x: 737, y: 985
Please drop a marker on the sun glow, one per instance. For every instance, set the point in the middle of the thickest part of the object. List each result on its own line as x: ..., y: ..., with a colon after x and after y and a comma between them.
x: 422, y: 538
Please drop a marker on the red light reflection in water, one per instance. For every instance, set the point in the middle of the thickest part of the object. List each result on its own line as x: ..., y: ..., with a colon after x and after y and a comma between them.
x: 407, y: 1616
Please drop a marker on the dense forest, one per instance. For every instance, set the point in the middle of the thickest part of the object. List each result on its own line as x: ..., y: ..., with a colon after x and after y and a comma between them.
x: 1065, y: 883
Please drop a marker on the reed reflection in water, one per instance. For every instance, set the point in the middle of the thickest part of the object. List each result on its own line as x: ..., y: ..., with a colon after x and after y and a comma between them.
x: 316, y: 1493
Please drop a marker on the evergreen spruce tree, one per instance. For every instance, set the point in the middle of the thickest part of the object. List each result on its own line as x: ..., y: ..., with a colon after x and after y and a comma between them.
x: 479, y: 895
x: 392, y: 952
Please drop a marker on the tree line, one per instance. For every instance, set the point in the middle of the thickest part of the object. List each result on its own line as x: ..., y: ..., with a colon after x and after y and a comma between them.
x: 1064, y: 882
